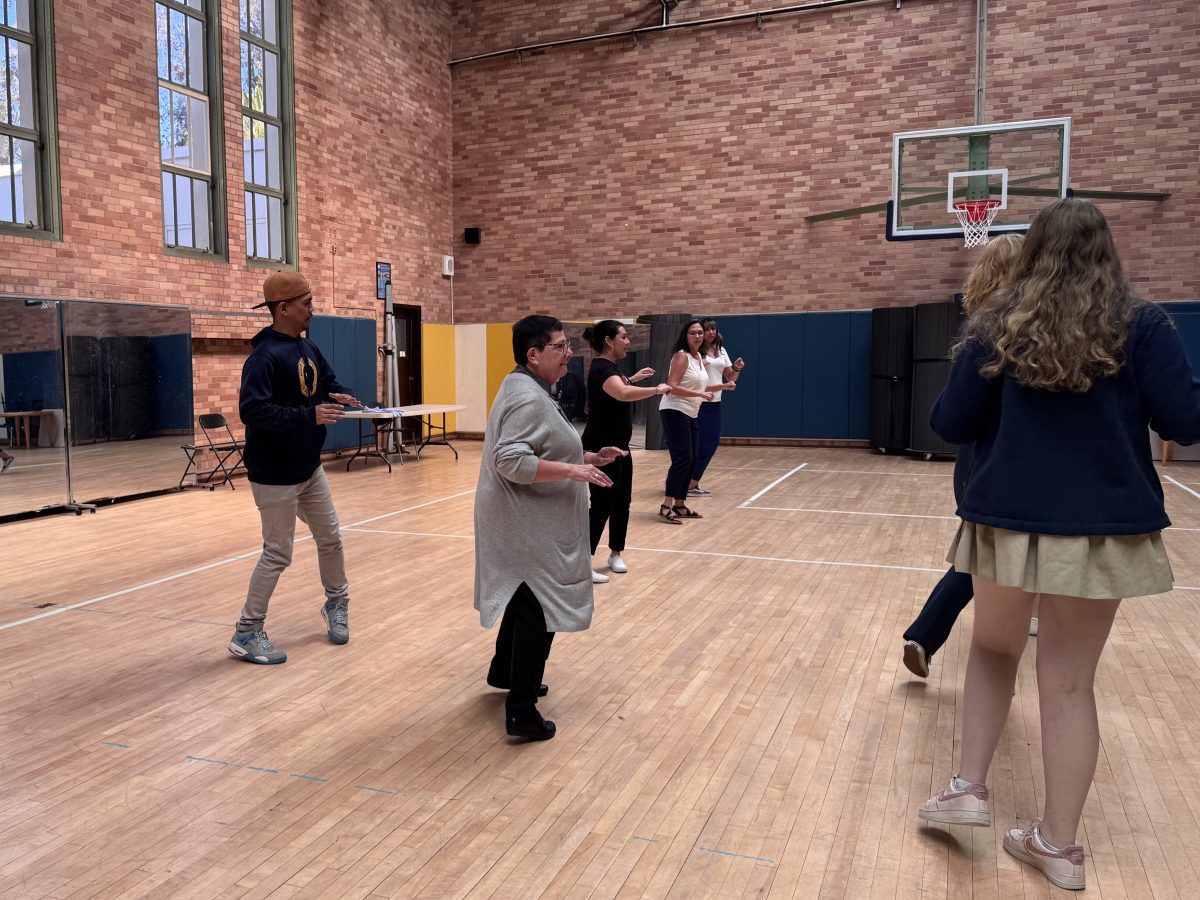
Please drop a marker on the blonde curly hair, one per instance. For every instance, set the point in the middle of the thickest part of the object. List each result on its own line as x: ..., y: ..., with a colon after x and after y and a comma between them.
x: 1063, y: 318
x: 991, y: 273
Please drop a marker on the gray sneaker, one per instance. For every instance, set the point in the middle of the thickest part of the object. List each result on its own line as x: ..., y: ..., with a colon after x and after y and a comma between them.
x: 256, y: 647
x: 337, y: 618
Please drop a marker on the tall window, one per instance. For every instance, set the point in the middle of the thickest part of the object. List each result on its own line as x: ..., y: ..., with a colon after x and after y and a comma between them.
x: 188, y: 75
x: 266, y: 131
x: 28, y: 157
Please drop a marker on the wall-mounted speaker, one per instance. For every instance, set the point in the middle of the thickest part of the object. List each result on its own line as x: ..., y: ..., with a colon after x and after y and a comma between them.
x: 472, y: 236
x: 448, y: 266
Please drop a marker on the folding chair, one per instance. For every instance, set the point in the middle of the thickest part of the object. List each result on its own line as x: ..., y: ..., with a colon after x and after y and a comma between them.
x: 224, y: 449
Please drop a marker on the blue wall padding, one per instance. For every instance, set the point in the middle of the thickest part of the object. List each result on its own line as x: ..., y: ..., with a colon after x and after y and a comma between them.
x: 33, y: 380
x: 349, y: 346
x: 807, y: 375
x: 171, y: 356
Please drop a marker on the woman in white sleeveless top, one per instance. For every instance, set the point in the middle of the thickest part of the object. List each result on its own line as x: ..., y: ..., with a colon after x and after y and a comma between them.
x: 722, y: 376
x: 678, y: 410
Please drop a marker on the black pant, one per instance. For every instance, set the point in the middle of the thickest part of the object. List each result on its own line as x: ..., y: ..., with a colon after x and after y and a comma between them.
x: 683, y: 440
x: 936, y: 619
x: 611, y: 504
x: 522, y: 648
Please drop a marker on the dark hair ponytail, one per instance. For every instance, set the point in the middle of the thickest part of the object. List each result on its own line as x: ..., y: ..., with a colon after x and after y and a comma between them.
x: 602, y: 330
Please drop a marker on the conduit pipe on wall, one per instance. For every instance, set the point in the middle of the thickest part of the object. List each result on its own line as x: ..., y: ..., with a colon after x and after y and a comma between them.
x: 667, y: 25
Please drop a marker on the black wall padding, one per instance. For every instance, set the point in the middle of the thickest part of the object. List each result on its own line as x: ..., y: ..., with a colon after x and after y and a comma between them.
x: 111, y: 390
x: 935, y: 330
x: 664, y: 331
x: 891, y: 377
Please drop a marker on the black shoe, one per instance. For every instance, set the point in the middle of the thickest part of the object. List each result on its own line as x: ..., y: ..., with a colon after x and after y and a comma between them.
x: 543, y: 689
x: 535, y: 728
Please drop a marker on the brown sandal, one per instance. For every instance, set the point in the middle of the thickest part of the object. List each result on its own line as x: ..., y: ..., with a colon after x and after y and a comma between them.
x: 668, y: 514
x: 684, y: 513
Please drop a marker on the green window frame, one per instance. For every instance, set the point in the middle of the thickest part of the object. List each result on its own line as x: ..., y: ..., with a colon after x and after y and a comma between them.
x: 268, y: 133
x: 191, y: 127
x: 30, y: 201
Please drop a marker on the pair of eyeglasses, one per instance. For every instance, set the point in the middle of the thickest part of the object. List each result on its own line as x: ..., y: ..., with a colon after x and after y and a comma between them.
x: 563, y: 346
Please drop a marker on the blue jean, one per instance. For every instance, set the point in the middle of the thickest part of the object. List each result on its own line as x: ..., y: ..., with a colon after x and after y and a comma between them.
x: 683, y: 440
x: 709, y: 424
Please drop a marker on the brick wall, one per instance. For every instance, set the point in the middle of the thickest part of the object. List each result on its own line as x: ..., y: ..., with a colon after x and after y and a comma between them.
x: 675, y: 173
x: 373, y: 164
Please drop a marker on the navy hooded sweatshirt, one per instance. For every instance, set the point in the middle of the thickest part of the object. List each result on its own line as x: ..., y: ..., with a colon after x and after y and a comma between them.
x: 283, y: 380
x: 1057, y: 462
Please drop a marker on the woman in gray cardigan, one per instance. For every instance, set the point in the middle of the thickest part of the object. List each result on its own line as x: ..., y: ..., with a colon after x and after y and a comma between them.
x: 532, y: 555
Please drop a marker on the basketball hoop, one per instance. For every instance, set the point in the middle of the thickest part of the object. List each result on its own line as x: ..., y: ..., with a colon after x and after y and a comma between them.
x: 975, y: 217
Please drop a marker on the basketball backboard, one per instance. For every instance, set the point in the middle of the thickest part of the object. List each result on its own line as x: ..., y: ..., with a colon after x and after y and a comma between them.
x: 1021, y: 166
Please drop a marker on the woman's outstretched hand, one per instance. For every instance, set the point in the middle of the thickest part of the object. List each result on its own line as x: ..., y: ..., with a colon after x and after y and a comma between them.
x: 605, y: 455
x: 589, y: 474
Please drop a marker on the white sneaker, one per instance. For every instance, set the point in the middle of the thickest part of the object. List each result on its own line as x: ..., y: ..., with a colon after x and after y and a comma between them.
x: 599, y: 577
x: 616, y: 564
x: 1033, y: 627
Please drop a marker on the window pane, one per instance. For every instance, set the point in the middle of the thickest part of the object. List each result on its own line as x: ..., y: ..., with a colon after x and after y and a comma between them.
x: 183, y: 210
x: 178, y: 37
x: 256, y: 78
x: 270, y: 17
x: 259, y: 134
x: 247, y: 151
x: 168, y: 204
x: 164, y: 123
x: 275, y: 214
x: 15, y: 14
x: 261, y: 239
x: 164, y: 65
x: 273, y: 157
x: 255, y: 15
x: 242, y: 4
x: 198, y: 129
x: 249, y: 224
x: 25, y: 168
x: 196, y: 54
x: 196, y: 4
x: 6, y: 180
x: 200, y: 216
x: 245, y: 74
x: 181, y: 144
x: 271, y: 85
x: 3, y: 77
x: 20, y: 84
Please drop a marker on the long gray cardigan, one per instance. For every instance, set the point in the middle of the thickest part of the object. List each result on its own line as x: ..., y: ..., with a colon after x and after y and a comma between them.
x: 535, y: 533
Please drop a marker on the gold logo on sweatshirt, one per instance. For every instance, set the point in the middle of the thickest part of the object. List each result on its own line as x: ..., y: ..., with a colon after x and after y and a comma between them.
x: 308, y: 376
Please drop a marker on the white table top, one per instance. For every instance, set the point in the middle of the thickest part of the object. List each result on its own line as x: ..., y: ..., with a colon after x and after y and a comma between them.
x: 421, y: 409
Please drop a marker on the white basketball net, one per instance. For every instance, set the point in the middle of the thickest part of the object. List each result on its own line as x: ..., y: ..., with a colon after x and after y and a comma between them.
x: 975, y: 217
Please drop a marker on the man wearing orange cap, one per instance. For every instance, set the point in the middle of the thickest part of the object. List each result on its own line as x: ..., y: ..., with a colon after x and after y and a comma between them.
x: 289, y: 394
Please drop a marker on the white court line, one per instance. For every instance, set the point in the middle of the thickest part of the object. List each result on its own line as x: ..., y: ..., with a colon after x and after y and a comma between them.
x: 772, y: 484
x: 869, y: 472
x: 213, y: 565
x: 1180, y: 484
x: 847, y: 512
x: 787, y: 559
x: 358, y: 530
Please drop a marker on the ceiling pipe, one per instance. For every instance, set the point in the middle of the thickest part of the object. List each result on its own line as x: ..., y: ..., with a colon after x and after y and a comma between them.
x: 668, y: 26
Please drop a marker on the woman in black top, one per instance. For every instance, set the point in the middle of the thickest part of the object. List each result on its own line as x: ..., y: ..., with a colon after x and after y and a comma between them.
x: 610, y: 424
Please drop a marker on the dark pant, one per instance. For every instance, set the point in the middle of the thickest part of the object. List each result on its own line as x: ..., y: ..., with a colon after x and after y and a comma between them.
x: 936, y: 619
x: 709, y: 424
x: 683, y: 439
x: 522, y: 648
x: 611, y: 504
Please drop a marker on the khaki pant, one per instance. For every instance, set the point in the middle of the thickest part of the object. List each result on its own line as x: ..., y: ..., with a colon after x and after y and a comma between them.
x: 278, y: 506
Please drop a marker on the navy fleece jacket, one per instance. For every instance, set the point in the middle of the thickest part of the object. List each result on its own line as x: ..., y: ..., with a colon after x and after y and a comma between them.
x: 1055, y: 462
x: 282, y: 381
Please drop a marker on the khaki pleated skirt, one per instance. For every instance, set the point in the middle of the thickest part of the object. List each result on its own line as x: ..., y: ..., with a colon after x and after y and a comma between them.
x: 1096, y: 566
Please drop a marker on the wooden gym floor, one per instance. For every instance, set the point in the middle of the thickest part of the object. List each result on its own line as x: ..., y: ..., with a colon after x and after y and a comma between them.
x: 737, y: 722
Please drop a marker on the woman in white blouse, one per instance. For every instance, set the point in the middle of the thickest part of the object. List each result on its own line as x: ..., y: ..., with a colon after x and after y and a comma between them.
x: 678, y: 410
x: 722, y: 376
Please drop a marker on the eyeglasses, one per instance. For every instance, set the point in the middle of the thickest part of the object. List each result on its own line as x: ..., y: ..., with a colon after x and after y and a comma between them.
x: 563, y: 346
